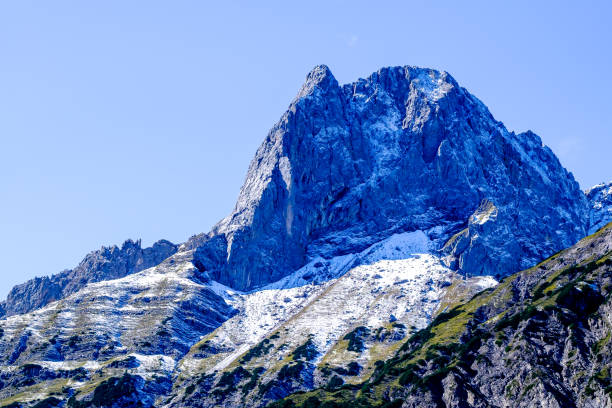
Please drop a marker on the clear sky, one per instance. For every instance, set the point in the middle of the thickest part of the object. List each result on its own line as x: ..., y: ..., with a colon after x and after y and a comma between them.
x: 138, y: 119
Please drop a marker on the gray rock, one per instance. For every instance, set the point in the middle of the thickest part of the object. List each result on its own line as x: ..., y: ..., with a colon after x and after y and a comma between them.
x: 405, y: 149
x: 600, y: 205
x: 105, y: 264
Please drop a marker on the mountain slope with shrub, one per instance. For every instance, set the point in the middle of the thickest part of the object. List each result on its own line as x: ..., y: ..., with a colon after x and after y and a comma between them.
x: 542, y: 337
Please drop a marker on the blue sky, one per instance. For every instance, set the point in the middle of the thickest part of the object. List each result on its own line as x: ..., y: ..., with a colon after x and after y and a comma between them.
x: 138, y: 119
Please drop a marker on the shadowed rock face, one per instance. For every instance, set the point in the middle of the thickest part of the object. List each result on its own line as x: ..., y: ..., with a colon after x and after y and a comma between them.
x: 405, y: 149
x: 104, y: 264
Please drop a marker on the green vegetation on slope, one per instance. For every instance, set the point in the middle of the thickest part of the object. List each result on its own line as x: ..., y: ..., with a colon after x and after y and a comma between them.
x: 566, y: 290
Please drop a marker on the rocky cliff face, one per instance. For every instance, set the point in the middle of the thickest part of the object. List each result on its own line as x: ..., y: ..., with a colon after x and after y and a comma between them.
x: 405, y: 149
x: 600, y: 205
x: 104, y: 264
x: 540, y: 338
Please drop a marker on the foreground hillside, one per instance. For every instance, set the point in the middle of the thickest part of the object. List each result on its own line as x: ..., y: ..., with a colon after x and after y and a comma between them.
x: 541, y: 338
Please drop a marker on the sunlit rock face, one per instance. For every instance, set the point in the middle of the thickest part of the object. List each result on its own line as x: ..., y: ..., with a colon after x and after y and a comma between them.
x: 600, y: 205
x: 404, y: 149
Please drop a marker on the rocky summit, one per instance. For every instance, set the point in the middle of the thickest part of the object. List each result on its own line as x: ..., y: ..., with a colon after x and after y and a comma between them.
x: 405, y: 149
x: 372, y: 258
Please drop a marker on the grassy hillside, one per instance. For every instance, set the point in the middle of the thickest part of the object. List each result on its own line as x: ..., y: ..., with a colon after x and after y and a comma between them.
x: 543, y: 334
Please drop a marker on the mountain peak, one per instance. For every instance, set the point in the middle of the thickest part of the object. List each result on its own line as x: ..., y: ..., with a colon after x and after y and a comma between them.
x: 319, y: 77
x: 406, y: 148
x: 319, y: 73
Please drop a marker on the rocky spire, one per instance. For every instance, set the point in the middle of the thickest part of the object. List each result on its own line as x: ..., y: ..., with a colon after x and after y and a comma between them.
x: 319, y: 77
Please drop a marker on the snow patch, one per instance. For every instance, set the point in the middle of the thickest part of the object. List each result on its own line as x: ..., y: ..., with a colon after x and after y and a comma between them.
x: 397, y: 278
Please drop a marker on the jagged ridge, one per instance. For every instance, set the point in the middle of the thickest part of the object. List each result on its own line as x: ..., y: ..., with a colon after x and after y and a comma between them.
x: 104, y: 264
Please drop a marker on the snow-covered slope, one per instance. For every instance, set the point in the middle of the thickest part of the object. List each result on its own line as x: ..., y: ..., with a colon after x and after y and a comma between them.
x: 144, y: 322
x: 106, y: 263
x: 171, y: 324
x: 380, y: 295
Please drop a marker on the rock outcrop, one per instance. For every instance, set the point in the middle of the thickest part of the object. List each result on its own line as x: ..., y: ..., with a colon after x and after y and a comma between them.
x: 105, y: 264
x: 600, y: 205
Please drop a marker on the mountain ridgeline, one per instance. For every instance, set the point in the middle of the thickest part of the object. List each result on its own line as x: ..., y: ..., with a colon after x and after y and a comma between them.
x: 107, y: 263
x: 405, y: 149
x: 371, y: 258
